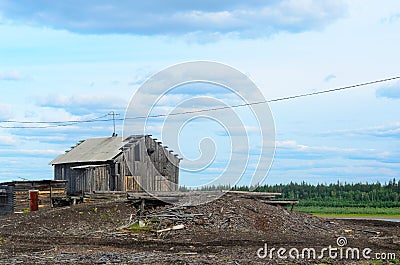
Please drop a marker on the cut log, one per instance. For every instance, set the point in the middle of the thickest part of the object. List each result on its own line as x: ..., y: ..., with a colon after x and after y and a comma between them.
x: 175, y: 227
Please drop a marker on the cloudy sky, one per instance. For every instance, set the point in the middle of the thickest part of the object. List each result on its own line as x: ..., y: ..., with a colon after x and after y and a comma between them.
x: 79, y: 60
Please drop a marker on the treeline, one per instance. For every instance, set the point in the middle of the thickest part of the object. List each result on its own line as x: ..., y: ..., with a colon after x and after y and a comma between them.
x: 331, y: 195
x: 338, y: 194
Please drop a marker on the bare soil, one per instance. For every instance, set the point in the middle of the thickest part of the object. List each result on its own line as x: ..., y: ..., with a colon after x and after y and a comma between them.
x: 229, y: 230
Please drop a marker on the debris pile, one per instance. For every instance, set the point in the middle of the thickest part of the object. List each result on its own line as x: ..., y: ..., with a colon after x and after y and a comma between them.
x: 229, y: 214
x: 226, y: 231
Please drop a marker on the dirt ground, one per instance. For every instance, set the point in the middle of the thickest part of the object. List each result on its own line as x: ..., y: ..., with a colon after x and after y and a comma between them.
x: 230, y: 230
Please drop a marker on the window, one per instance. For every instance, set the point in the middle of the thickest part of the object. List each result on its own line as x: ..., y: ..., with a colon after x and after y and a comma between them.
x: 118, y: 168
x: 3, y: 197
x: 137, y: 152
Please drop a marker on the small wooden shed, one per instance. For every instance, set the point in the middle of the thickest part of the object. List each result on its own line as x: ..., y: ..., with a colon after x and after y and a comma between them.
x: 14, y: 195
x: 133, y: 163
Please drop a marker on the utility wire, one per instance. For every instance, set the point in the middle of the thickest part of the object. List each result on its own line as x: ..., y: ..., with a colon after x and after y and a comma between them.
x: 99, y: 119
x: 336, y: 89
x: 266, y: 101
x: 57, y: 123
x: 54, y: 122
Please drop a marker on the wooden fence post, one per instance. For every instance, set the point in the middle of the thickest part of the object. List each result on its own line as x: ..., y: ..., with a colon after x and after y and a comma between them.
x: 33, y: 200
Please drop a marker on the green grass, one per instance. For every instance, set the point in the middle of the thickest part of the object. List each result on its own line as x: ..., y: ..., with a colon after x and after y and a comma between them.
x: 368, y: 212
x: 135, y: 228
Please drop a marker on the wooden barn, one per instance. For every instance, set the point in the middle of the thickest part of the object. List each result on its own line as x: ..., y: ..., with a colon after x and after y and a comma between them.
x: 16, y: 196
x: 133, y: 163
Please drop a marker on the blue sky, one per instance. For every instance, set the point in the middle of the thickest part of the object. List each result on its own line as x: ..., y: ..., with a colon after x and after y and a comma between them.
x: 80, y: 60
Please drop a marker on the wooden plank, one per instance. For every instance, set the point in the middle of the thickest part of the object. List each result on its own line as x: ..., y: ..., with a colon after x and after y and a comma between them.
x: 280, y: 202
x: 55, y: 191
x: 254, y: 193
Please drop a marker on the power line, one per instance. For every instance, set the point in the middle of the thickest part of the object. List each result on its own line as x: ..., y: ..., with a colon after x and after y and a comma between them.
x: 99, y: 119
x: 54, y: 122
x: 267, y: 101
x: 57, y: 123
x: 336, y: 89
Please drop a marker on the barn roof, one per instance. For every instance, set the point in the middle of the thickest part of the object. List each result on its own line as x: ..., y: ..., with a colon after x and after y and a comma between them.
x: 95, y: 150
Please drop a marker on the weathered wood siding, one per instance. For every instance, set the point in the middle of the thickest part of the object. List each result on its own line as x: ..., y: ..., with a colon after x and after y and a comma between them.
x: 18, y: 194
x: 93, y: 179
x: 143, y: 164
x: 85, y: 180
x: 6, y: 199
x: 154, y: 167
x: 119, y: 169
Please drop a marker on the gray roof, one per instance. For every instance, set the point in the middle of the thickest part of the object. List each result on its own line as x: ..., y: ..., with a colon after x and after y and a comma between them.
x: 94, y: 150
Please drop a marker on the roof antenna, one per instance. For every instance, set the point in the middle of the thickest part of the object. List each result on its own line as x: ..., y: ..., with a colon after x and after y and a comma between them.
x: 113, y: 114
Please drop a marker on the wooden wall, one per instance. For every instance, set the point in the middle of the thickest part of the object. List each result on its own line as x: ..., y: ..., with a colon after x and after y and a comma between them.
x: 18, y: 194
x: 85, y: 180
x: 152, y: 167
x: 6, y: 199
x: 93, y: 179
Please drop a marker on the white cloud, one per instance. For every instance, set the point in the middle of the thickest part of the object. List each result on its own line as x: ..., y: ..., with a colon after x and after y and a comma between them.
x: 292, y: 150
x: 391, y: 130
x: 282, y: 65
x: 10, y: 76
x: 82, y: 104
x: 39, y: 152
x: 5, y: 111
x: 31, y: 152
x: 49, y: 114
x: 391, y: 19
x: 246, y: 18
x: 7, y: 140
x: 306, y: 148
x: 329, y: 78
x: 390, y: 91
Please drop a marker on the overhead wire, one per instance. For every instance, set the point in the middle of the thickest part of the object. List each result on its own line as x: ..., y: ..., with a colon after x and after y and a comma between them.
x: 47, y: 122
x: 57, y: 123
x: 265, y: 101
x: 99, y: 119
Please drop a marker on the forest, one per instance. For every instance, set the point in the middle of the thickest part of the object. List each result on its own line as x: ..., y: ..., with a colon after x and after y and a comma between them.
x: 386, y: 195
x: 340, y: 194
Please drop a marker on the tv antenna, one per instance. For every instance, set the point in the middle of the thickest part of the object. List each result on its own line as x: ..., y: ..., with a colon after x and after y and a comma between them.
x: 113, y: 114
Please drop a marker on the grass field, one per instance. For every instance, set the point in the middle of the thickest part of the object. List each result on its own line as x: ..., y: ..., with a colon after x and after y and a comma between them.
x: 349, y: 212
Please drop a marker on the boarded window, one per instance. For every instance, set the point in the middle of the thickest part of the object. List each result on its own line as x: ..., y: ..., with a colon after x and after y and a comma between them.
x: 62, y: 172
x: 3, y: 197
x: 118, y: 171
x: 137, y: 152
x: 127, y: 169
